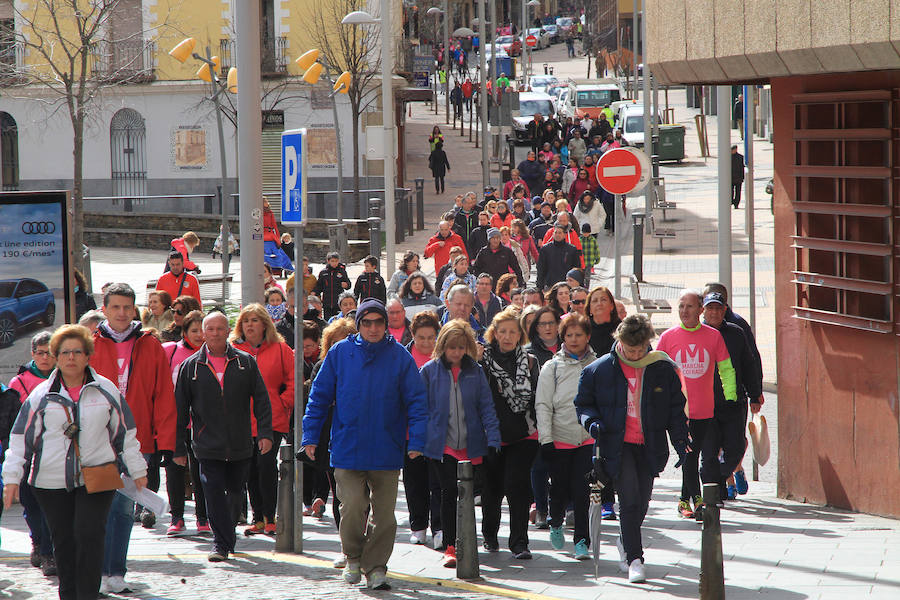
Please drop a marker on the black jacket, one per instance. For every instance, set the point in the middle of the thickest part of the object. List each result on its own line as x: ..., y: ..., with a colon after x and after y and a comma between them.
x: 285, y: 327
x: 497, y: 262
x: 602, y: 339
x: 748, y: 379
x: 535, y: 131
x: 539, y: 349
x: 555, y: 259
x: 733, y: 317
x: 370, y: 285
x: 330, y: 284
x: 438, y: 163
x: 532, y: 173
x: 513, y: 427
x: 477, y: 241
x: 737, y: 168
x: 85, y: 302
x: 220, y: 414
x: 494, y: 306
x: 463, y: 224
x: 538, y: 228
x: 10, y: 403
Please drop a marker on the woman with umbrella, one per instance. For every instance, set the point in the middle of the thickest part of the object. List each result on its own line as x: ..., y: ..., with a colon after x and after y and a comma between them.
x: 627, y: 401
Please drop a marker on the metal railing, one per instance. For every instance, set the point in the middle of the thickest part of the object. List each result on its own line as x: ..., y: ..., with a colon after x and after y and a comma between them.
x: 274, y: 59
x: 12, y: 61
x: 123, y: 61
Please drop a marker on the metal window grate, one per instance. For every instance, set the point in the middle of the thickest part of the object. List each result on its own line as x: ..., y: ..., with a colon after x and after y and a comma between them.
x: 127, y: 136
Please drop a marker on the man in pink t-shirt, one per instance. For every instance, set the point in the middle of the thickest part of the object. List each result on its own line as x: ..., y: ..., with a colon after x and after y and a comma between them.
x: 698, y: 350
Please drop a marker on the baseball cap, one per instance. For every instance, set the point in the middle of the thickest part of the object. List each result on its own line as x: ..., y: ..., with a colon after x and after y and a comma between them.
x: 714, y: 297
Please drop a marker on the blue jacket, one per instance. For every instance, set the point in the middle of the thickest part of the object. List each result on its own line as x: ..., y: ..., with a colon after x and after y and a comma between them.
x: 602, y: 399
x: 377, y: 394
x: 482, y: 426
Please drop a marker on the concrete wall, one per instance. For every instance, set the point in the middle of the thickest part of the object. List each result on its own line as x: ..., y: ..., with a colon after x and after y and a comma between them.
x: 706, y: 41
x: 838, y: 408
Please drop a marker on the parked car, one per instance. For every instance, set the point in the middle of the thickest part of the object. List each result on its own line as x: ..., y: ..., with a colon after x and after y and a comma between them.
x: 512, y: 46
x: 22, y: 302
x: 542, y: 83
x: 566, y: 26
x: 530, y: 104
x: 543, y: 38
x: 553, y: 31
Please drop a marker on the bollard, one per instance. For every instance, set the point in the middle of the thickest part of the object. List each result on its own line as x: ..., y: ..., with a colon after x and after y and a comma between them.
x: 284, y: 523
x: 637, y: 218
x: 654, y: 158
x: 551, y: 70
x: 546, y: 69
x: 466, y: 540
x: 374, y: 227
x: 511, y: 141
x: 712, y: 574
x: 420, y: 203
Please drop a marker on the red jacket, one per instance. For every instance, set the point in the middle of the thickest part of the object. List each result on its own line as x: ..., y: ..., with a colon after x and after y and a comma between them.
x: 571, y: 237
x: 276, y: 365
x: 180, y: 245
x: 442, y: 254
x: 510, y: 185
x: 151, y: 396
x: 270, y: 228
x: 174, y: 286
x: 504, y: 221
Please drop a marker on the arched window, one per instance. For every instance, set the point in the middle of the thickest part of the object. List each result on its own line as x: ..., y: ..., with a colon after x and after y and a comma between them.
x: 9, y: 151
x: 127, y: 134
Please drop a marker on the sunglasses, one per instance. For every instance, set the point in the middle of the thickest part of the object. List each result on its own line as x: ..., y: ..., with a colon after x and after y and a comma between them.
x: 180, y: 312
x: 577, y: 301
x: 371, y: 322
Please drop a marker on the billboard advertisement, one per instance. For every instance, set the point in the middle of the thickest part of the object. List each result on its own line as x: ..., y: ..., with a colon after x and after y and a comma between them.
x: 34, y: 272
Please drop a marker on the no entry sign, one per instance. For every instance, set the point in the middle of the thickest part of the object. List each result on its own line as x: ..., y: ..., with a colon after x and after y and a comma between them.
x: 531, y: 41
x: 623, y: 170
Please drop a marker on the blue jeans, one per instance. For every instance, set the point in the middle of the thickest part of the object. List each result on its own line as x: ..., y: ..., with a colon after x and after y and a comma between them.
x: 118, y: 534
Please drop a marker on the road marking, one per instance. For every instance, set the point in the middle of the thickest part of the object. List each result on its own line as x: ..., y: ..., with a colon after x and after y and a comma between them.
x: 625, y: 171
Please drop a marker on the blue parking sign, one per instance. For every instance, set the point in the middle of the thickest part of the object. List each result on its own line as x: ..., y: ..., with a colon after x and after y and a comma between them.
x: 293, y: 177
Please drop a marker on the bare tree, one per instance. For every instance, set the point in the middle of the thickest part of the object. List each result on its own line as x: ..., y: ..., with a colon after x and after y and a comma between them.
x: 352, y: 49
x: 76, y: 49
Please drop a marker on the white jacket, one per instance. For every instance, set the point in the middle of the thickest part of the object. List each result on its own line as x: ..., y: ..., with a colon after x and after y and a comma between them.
x: 554, y: 404
x: 106, y: 433
x: 596, y: 216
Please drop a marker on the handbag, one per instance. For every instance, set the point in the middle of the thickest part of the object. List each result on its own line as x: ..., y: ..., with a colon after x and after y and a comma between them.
x: 99, y: 478
x: 759, y: 438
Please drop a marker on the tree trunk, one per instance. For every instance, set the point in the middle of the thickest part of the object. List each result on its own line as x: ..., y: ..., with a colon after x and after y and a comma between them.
x: 78, y: 192
x: 354, y: 108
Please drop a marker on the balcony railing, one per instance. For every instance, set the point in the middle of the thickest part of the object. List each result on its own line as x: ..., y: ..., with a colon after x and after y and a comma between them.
x: 274, y: 58
x: 12, y: 60
x: 124, y: 61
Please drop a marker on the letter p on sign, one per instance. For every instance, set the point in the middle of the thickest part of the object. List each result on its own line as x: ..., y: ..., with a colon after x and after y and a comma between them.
x: 293, y: 177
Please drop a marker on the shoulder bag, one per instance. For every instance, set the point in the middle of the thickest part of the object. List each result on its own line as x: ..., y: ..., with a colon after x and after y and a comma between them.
x: 100, y: 478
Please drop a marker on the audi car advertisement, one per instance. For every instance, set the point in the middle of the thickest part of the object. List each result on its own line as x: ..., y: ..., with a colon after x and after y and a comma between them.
x: 34, y: 284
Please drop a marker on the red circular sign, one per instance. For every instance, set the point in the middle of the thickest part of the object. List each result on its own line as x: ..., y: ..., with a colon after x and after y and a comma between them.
x: 531, y: 41
x: 618, y: 171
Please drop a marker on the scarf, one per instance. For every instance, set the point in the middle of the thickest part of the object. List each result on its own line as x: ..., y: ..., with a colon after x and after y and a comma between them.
x: 276, y: 312
x: 517, y: 393
x: 116, y: 336
x: 650, y: 358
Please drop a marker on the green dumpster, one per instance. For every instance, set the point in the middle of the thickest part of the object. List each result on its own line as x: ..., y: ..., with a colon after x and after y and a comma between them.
x: 671, y: 142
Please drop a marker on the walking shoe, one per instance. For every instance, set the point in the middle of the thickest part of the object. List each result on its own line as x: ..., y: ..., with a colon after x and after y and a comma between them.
x: 217, y: 556
x: 377, y: 580
x: 35, y: 555
x: 623, y: 559
x: 557, y: 539
x: 437, y: 540
x: 203, y: 528
x: 491, y: 546
x: 541, y: 521
x: 242, y: 519
x: 176, y: 528
x: 351, y: 573
x: 269, y: 529
x: 115, y: 584
x: 522, y: 554
x: 48, y: 566
x: 532, y: 513
x: 478, y: 500
x: 740, y: 482
x: 418, y: 537
x: 581, y: 550
x: 256, y: 528
x: 318, y: 508
x: 340, y: 562
x: 104, y: 585
x: 636, y: 572
x: 731, y: 493
x: 138, y: 511
x: 608, y: 511
x: 698, y: 508
x: 684, y: 509
x: 450, y: 557
x: 148, y: 519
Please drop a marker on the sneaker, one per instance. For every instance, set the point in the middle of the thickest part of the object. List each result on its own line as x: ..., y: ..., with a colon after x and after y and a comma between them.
x: 217, y: 556
x: 491, y: 546
x: 35, y: 555
x: 115, y: 584
x: 340, y: 562
x: 623, y: 559
x: 318, y: 508
x: 636, y: 572
x: 731, y: 493
x: 608, y: 511
x: 450, y: 557
x: 541, y: 522
x: 203, y: 528
x: 269, y: 529
x: 684, y: 509
x: 522, y: 554
x: 698, y: 508
x: 418, y: 537
x: 377, y: 580
x: 48, y: 566
x: 351, y: 573
x: 257, y: 528
x: 532, y: 514
x: 148, y: 519
x: 138, y: 512
x: 478, y: 500
x: 740, y: 482
x: 581, y: 550
x: 437, y: 540
x: 176, y: 528
x: 104, y: 585
x: 557, y: 539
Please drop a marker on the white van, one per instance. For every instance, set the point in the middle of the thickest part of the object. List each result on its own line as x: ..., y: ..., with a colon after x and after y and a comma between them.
x: 530, y: 104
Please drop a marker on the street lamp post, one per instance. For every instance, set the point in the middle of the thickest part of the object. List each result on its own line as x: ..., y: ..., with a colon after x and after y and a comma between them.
x: 526, y: 49
x: 483, y: 99
x: 436, y: 12
x: 387, y: 100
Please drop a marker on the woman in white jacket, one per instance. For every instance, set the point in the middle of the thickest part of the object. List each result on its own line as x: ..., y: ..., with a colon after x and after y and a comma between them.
x: 565, y: 445
x: 588, y: 210
x: 74, y: 404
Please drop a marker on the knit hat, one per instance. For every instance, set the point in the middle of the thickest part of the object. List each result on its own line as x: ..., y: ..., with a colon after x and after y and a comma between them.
x: 370, y: 305
x: 492, y: 232
x: 577, y: 275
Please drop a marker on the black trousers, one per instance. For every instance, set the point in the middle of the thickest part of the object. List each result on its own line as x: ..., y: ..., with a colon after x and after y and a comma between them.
x: 736, y: 193
x: 634, y: 485
x: 315, y: 484
x: 37, y: 522
x: 78, y: 524
x: 336, y: 502
x: 704, y: 455
x: 423, y: 494
x: 508, y: 475
x: 444, y: 473
x: 262, y: 483
x: 223, y: 483
x: 175, y: 487
x: 609, y: 207
x: 567, y: 484
x: 726, y: 432
x: 439, y: 184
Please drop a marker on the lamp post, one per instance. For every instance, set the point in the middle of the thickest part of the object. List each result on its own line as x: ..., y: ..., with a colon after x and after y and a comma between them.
x: 435, y: 12
x: 360, y: 17
x: 483, y: 99
x: 209, y: 72
x: 526, y: 49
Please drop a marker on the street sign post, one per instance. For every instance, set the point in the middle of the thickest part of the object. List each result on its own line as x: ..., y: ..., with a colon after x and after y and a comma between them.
x: 293, y: 177
x: 531, y: 41
x: 622, y: 171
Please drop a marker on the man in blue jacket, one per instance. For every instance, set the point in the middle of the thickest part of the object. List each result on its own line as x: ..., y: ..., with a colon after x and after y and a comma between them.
x: 377, y: 394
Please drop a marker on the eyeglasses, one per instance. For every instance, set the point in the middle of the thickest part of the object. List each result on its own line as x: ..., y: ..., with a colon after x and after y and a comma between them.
x: 371, y: 322
x: 576, y: 301
x: 41, y: 353
x: 546, y: 323
x: 72, y: 353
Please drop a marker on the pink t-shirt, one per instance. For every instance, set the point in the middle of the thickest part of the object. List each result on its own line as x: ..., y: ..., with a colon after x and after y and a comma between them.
x: 218, y: 366
x: 696, y: 354
x: 565, y: 446
x: 634, y: 434
x: 74, y: 392
x: 420, y: 358
x: 397, y: 333
x: 123, y: 360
